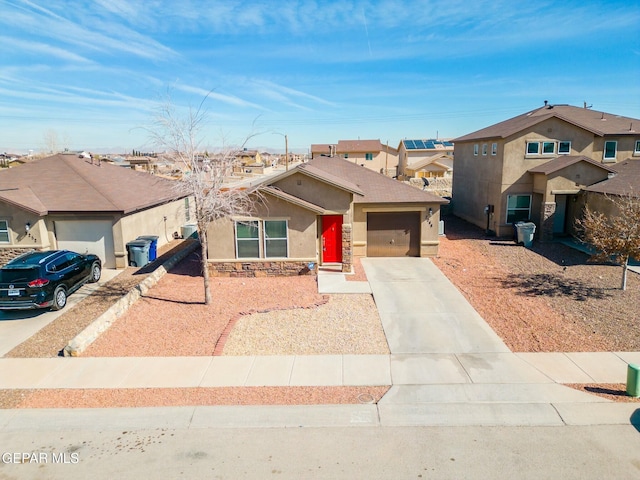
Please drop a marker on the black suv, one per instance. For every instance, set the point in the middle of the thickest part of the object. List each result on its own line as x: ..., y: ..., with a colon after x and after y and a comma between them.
x: 45, y: 279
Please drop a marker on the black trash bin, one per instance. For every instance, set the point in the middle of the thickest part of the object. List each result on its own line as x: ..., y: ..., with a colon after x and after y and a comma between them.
x: 153, y: 247
x: 138, y: 252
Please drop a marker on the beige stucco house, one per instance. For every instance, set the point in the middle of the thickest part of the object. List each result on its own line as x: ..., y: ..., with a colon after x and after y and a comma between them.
x: 323, y: 212
x: 537, y: 165
x: 371, y: 154
x: 438, y: 165
x: 88, y: 206
x: 415, y: 154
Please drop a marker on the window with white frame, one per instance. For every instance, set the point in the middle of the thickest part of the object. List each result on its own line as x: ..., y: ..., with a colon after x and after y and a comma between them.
x: 262, y: 239
x: 548, y: 148
x: 636, y: 150
x: 518, y: 208
x: 4, y: 231
x: 564, y: 148
x: 494, y: 149
x: 610, y: 147
x: 533, y: 148
x: 476, y: 149
x: 275, y: 238
x: 484, y: 149
x: 247, y: 239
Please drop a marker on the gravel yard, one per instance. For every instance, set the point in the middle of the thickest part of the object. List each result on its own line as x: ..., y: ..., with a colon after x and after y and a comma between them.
x: 261, y: 316
x: 547, y: 298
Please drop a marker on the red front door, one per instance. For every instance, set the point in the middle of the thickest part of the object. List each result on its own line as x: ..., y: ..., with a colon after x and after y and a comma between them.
x: 332, y: 238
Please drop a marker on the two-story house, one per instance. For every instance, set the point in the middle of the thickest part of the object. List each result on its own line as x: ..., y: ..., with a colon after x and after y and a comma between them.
x: 537, y: 165
x: 416, y: 157
x: 371, y: 154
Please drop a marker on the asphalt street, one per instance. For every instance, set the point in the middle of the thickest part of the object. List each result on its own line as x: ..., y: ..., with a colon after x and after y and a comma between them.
x: 590, y: 452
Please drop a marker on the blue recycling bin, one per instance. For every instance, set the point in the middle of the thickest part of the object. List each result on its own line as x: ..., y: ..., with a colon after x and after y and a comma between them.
x: 138, y: 252
x: 153, y: 246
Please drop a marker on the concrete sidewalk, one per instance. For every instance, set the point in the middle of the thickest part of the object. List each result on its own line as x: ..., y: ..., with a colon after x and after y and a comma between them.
x: 447, y: 367
x: 316, y: 370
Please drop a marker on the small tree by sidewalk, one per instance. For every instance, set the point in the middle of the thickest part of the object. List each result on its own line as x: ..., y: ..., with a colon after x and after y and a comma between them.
x: 202, y: 177
x: 616, y: 236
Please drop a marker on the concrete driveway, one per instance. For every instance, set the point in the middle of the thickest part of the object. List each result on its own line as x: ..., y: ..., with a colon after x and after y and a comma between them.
x: 18, y: 326
x: 423, y: 312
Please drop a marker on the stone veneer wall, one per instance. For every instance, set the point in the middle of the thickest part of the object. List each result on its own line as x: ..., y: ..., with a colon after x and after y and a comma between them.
x: 547, y: 214
x: 282, y: 268
x: 8, y: 254
x: 347, y: 248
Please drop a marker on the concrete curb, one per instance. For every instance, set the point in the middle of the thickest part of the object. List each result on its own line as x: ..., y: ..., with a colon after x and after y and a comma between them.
x: 80, y: 342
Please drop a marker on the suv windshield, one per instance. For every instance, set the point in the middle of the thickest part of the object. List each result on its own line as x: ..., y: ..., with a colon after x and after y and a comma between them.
x: 16, y: 275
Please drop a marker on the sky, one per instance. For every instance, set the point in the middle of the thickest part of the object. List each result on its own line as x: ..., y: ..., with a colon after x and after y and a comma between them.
x: 93, y: 75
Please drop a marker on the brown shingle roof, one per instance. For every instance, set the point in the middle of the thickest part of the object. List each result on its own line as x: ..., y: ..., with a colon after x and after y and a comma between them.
x: 564, y: 161
x: 321, y: 148
x: 625, y: 182
x: 376, y: 188
x: 312, y: 170
x: 598, y: 123
x: 66, y: 183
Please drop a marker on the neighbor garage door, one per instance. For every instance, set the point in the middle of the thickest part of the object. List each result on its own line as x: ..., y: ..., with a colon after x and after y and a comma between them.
x: 393, y: 234
x: 87, y: 236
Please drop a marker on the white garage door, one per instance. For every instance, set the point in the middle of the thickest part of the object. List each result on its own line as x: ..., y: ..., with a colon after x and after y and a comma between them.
x: 87, y: 236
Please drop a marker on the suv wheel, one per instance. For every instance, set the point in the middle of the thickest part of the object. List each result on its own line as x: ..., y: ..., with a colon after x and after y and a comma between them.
x: 59, y: 298
x: 96, y: 271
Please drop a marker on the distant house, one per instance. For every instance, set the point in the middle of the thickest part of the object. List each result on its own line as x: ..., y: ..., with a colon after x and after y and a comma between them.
x: 411, y: 152
x: 537, y: 165
x: 80, y: 204
x: 248, y: 157
x: 438, y: 165
x: 371, y: 154
x: 325, y: 211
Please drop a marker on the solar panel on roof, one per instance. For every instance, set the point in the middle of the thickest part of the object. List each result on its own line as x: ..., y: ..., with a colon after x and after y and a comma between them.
x: 409, y: 145
x: 429, y: 144
x: 419, y: 144
x: 448, y: 144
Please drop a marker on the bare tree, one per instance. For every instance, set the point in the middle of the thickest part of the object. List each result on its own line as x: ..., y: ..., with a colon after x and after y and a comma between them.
x: 615, y: 236
x: 50, y: 140
x: 203, y: 178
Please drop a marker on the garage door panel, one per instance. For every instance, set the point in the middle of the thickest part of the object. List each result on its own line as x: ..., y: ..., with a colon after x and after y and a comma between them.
x: 87, y: 236
x: 393, y: 234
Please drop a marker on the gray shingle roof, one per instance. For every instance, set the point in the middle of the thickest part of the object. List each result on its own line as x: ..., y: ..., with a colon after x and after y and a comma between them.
x: 66, y: 183
x: 599, y: 123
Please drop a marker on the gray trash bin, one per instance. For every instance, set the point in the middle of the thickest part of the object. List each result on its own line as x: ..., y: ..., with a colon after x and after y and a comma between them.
x: 526, y: 230
x: 138, y: 252
x: 153, y: 246
x: 190, y: 230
